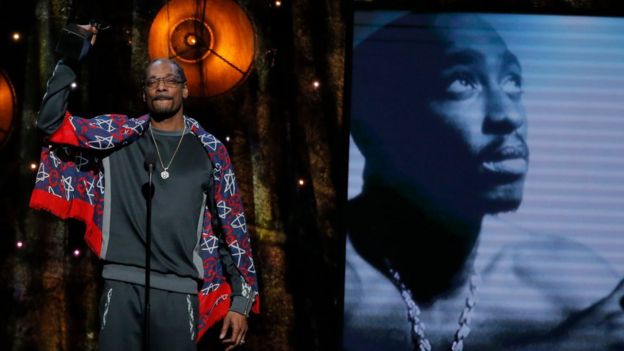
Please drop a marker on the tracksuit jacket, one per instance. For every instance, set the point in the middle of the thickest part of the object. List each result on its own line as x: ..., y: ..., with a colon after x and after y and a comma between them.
x: 71, y: 183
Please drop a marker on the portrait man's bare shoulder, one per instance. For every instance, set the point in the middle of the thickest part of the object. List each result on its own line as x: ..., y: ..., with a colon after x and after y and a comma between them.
x: 535, y: 277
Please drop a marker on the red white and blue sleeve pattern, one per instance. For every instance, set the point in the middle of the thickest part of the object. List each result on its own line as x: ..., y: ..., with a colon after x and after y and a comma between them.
x: 230, y: 216
x: 70, y: 178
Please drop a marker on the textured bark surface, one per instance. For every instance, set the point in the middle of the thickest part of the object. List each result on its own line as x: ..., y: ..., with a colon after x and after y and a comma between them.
x: 40, y: 268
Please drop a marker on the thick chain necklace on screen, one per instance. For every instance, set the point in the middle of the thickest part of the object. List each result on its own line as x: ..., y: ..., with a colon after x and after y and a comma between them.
x: 418, y: 327
x: 165, y: 173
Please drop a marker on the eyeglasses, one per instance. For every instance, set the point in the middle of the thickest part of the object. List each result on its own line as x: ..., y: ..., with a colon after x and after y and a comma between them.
x: 169, y: 82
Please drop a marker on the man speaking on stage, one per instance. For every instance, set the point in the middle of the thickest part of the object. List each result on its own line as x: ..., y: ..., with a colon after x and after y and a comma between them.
x: 201, y: 270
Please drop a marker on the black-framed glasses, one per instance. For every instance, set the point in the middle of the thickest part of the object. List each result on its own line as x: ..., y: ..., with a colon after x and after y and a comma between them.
x: 169, y: 82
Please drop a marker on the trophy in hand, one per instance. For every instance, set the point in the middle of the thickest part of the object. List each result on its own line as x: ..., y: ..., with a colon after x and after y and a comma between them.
x: 76, y: 39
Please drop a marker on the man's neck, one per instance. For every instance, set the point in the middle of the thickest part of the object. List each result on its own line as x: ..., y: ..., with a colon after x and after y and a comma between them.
x: 433, y: 251
x: 170, y: 124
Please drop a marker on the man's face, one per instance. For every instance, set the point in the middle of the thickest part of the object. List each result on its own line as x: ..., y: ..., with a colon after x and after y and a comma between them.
x: 164, y: 90
x: 479, y: 100
x: 460, y: 135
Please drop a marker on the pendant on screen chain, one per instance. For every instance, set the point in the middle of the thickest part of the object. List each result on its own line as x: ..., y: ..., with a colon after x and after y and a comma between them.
x: 164, y: 174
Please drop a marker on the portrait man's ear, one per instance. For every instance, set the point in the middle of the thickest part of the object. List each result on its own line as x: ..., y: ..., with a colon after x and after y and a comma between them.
x: 185, y: 90
x: 143, y: 96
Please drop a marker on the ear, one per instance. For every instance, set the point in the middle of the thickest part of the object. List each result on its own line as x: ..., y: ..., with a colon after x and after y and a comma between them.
x: 185, y: 91
x: 143, y: 96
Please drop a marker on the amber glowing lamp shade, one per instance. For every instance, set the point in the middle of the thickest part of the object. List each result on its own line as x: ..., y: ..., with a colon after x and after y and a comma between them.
x: 7, y: 107
x: 213, y: 40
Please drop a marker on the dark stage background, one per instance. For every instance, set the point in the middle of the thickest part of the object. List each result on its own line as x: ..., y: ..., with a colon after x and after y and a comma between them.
x: 281, y: 129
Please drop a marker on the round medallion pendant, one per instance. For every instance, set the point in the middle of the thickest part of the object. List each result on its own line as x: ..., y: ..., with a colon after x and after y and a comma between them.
x: 164, y: 174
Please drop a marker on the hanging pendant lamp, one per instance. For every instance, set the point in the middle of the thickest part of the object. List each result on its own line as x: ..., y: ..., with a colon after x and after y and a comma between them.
x: 213, y: 41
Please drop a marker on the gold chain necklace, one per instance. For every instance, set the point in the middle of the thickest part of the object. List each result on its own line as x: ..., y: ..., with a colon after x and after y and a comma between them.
x: 165, y: 173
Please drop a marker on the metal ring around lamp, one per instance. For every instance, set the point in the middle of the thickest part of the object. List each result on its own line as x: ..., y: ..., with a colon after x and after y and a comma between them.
x: 191, y: 40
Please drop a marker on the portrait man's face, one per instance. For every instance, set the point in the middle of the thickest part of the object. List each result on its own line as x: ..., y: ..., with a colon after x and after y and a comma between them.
x: 454, y: 127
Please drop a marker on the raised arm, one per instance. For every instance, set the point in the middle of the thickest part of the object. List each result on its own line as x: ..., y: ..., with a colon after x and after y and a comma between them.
x: 54, y: 104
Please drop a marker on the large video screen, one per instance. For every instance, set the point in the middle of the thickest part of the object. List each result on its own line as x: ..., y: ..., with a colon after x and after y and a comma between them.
x: 486, y: 183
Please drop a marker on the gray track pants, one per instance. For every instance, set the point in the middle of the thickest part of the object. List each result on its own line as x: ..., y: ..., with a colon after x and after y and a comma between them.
x: 173, y: 318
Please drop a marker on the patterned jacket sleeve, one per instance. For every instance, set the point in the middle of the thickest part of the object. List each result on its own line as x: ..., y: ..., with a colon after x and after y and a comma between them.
x: 234, y: 227
x: 240, y: 303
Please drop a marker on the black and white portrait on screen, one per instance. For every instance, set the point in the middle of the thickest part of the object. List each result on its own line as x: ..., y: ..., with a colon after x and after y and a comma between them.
x: 486, y: 208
